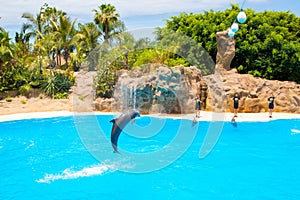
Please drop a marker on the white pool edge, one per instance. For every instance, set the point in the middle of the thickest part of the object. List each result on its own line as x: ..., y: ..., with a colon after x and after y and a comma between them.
x: 204, y: 116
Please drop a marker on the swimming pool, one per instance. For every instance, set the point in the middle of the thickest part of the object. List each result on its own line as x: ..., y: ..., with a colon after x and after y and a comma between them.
x: 47, y: 159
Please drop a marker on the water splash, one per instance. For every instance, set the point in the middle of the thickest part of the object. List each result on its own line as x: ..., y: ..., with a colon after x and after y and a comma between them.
x: 73, y: 174
x: 30, y: 145
x: 295, y: 131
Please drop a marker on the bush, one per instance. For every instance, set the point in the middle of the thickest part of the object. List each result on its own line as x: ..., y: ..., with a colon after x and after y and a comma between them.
x: 56, y: 83
x: 8, y: 99
x: 63, y: 95
x: 24, y: 89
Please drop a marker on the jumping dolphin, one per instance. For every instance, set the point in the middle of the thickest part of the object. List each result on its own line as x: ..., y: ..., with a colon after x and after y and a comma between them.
x: 118, y: 126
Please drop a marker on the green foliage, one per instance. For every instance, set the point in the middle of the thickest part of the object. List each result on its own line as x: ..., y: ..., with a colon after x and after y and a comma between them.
x: 56, y: 83
x: 105, y: 83
x: 108, y: 59
x: 23, y: 101
x: 48, y: 85
x: 203, y: 27
x: 267, y: 44
x: 63, y: 95
x: 24, y: 88
x: 176, y: 62
x: 177, y: 45
x: 108, y: 21
x: 151, y: 56
x: 8, y: 99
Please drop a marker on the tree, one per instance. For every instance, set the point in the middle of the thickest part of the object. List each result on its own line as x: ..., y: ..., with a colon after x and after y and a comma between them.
x: 108, y: 21
x: 88, y: 36
x: 267, y: 44
x: 270, y: 41
x: 6, y: 53
x: 64, y: 34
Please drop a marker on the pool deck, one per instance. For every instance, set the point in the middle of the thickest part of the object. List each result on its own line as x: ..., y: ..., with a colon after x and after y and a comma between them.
x: 204, y: 116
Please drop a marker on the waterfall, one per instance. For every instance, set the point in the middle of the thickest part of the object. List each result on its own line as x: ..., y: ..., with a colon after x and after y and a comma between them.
x: 123, y: 97
x: 134, y: 96
x: 127, y: 96
x: 130, y: 96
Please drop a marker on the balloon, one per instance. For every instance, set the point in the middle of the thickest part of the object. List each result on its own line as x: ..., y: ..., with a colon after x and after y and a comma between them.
x: 241, y: 18
x: 234, y: 27
x: 230, y: 33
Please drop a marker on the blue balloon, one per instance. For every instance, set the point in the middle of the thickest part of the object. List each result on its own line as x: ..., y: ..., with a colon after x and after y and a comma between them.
x: 241, y: 18
x: 234, y: 27
x: 230, y: 33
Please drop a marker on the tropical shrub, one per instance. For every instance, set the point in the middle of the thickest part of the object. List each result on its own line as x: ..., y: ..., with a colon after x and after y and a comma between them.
x: 8, y: 99
x: 56, y: 83
x: 63, y: 95
x: 267, y: 44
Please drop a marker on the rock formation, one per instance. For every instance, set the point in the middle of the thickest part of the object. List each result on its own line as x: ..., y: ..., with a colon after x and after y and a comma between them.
x: 156, y: 88
x: 83, y: 91
x: 172, y: 90
x: 225, y: 51
x: 254, y: 93
x: 159, y: 89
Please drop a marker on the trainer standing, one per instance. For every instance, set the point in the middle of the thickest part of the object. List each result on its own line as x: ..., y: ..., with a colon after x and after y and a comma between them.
x: 236, y: 99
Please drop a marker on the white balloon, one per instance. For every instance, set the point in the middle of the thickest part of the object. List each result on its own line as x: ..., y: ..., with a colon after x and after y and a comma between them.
x: 234, y: 27
x: 230, y: 33
x: 241, y: 18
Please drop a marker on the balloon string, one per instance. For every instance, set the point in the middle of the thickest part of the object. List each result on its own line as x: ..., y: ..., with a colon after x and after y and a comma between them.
x: 243, y: 4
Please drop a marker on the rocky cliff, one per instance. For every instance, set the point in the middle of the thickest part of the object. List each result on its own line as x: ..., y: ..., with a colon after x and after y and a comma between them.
x: 254, y: 93
x: 172, y: 90
x: 160, y: 89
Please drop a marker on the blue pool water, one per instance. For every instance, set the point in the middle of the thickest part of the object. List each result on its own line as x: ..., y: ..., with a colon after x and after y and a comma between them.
x: 50, y: 159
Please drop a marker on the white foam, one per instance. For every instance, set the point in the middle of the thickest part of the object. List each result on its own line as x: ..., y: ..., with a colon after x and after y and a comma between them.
x: 295, y: 131
x: 72, y: 174
x: 30, y: 145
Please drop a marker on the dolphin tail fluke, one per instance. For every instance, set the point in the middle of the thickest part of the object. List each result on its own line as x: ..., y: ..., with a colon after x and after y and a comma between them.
x: 113, y: 120
x: 116, y: 151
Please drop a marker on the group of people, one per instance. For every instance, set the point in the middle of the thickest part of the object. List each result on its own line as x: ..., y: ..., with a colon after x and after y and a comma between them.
x: 236, y: 99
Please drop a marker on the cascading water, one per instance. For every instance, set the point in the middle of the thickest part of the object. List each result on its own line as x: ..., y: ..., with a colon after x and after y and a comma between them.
x: 123, y: 97
x: 134, y: 96
x: 127, y: 96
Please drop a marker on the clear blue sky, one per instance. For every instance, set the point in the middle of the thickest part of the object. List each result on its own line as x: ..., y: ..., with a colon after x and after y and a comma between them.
x: 136, y: 14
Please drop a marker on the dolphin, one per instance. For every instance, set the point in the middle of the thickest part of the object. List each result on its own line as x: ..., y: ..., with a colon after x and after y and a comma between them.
x: 118, y: 126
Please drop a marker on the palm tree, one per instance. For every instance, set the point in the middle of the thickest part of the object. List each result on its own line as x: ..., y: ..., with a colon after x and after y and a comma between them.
x: 64, y: 32
x: 51, y: 14
x: 88, y: 36
x: 35, y: 27
x: 108, y: 21
x: 6, y: 53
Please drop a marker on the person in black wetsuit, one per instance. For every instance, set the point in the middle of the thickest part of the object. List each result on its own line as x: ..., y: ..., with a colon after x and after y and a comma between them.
x: 198, y: 106
x: 235, y: 99
x: 271, y: 100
